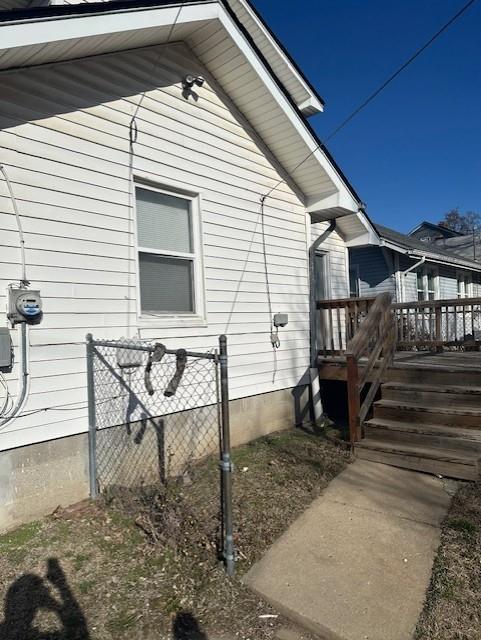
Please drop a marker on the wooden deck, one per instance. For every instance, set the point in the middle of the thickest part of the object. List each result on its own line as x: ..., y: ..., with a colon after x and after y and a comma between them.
x: 413, y: 375
x: 334, y: 367
x: 462, y: 360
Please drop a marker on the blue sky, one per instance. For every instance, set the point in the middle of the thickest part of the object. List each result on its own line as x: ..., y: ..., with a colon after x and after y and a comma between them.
x: 415, y: 152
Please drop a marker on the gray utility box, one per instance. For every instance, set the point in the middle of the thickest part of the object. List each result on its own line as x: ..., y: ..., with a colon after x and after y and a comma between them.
x: 5, y: 348
x: 281, y: 319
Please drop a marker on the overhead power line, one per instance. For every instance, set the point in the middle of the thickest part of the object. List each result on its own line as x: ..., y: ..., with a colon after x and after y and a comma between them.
x: 399, y: 70
x: 381, y: 88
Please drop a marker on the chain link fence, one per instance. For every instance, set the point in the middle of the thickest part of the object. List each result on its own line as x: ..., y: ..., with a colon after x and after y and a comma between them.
x: 156, y: 415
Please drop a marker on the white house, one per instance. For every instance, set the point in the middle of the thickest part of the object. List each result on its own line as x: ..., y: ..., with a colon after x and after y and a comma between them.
x: 108, y: 153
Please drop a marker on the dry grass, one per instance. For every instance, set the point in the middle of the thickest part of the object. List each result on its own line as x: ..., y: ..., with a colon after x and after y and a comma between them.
x: 142, y: 565
x: 453, y: 605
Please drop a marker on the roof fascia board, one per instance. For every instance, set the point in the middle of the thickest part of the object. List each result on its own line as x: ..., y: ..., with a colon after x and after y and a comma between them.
x: 316, y: 148
x: 315, y: 104
x: 292, y: 113
x: 44, y: 30
x: 320, y: 148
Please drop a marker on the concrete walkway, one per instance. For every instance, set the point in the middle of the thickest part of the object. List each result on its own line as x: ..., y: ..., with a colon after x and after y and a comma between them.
x: 357, y: 563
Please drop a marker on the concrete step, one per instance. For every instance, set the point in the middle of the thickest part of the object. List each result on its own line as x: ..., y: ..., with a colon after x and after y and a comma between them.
x: 445, y: 462
x: 424, y: 435
x: 455, y: 416
x: 438, y: 395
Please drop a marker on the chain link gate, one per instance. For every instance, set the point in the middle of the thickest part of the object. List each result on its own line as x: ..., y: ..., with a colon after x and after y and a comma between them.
x: 154, y: 415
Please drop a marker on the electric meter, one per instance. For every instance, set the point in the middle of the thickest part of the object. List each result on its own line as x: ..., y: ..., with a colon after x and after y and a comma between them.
x: 24, y: 305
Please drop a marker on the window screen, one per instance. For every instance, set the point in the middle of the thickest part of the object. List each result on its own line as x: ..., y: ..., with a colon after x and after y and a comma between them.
x: 166, y: 284
x: 166, y: 252
x: 163, y: 222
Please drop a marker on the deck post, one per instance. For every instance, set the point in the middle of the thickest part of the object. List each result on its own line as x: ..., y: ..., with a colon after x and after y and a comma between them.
x: 353, y: 399
x: 439, y: 338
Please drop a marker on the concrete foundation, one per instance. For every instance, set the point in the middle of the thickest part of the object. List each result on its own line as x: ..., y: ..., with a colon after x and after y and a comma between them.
x: 36, y: 479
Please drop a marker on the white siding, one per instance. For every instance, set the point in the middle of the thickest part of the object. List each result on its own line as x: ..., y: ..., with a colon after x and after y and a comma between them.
x: 335, y: 247
x: 64, y: 140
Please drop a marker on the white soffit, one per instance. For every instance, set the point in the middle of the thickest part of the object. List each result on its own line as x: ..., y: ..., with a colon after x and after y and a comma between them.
x: 280, y: 63
x: 220, y: 45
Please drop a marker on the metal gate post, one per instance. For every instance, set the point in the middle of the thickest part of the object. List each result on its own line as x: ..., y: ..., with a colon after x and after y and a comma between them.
x: 92, y: 434
x: 226, y: 460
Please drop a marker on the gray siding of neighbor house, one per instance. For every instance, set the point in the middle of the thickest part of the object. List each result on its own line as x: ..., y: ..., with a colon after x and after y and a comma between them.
x: 448, y: 287
x: 410, y: 280
x: 375, y: 275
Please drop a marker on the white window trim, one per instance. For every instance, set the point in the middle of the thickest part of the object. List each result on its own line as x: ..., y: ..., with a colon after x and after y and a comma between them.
x: 199, y: 317
x: 355, y: 267
x: 470, y: 285
x: 424, y: 270
x: 327, y: 264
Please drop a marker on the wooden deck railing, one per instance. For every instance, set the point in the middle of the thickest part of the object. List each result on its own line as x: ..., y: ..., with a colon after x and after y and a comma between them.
x: 338, y: 322
x: 438, y: 323
x: 454, y: 323
x: 368, y: 331
x: 375, y: 343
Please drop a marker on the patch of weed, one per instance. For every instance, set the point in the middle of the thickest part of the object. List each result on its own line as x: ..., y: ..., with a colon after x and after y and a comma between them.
x: 79, y: 560
x: 86, y: 586
x: 21, y: 536
x: 123, y: 621
x: 466, y: 527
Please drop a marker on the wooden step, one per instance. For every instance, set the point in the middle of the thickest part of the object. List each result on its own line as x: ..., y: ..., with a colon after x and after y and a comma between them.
x: 444, y: 462
x: 419, y: 374
x: 424, y: 435
x: 459, y: 416
x: 444, y: 395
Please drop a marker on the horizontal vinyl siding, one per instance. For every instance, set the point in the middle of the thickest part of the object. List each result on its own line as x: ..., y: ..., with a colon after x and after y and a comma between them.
x: 64, y: 139
x: 448, y: 287
x: 375, y: 276
x: 335, y: 248
x: 448, y: 284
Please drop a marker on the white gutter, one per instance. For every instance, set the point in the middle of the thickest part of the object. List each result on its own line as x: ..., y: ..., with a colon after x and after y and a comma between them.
x: 431, y: 257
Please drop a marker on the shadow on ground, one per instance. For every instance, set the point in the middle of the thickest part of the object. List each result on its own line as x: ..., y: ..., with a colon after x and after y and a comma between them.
x: 186, y: 627
x: 30, y: 594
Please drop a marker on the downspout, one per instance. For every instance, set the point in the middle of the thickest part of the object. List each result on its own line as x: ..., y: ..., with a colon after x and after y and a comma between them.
x: 313, y: 370
x: 404, y: 274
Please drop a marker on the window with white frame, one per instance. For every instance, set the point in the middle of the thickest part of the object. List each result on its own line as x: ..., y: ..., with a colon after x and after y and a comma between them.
x: 354, y: 281
x: 464, y: 284
x: 427, y: 283
x: 168, y: 247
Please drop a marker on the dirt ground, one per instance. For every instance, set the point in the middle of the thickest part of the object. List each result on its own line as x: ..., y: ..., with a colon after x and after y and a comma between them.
x: 143, y: 564
x: 453, y: 605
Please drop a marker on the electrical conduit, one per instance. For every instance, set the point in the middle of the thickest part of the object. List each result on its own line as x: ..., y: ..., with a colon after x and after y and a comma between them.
x: 24, y: 381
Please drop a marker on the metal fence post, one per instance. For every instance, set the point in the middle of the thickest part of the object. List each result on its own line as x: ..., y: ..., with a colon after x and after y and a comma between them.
x: 226, y: 460
x: 92, y: 434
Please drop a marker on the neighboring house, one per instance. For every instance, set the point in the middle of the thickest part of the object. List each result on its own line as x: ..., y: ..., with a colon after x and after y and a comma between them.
x: 140, y: 198
x: 430, y: 232
x: 410, y: 269
x: 464, y: 245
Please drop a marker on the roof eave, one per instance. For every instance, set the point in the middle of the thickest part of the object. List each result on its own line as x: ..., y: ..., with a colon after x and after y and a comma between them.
x: 120, y: 16
x: 431, y: 257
